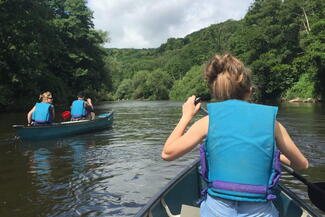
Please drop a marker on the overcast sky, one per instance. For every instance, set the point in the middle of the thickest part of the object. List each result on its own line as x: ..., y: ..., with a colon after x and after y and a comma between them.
x: 149, y: 23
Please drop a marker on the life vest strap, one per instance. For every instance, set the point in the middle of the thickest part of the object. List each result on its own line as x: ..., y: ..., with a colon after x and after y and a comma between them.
x: 237, y: 187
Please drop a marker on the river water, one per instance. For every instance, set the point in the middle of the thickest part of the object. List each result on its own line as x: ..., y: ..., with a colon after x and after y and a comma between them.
x: 116, y: 171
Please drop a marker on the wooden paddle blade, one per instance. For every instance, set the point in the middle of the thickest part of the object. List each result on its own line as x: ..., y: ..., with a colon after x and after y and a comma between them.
x: 317, y: 197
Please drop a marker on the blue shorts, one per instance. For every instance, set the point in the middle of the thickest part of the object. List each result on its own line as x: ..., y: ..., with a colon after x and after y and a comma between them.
x: 215, y: 206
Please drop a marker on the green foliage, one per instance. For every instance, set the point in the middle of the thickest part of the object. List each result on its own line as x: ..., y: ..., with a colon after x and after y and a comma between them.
x: 158, y: 83
x: 278, y: 40
x: 271, y: 76
x: 304, y: 88
x: 107, y: 97
x: 52, y: 45
x: 124, y: 91
x: 174, y: 59
x: 139, y: 84
x: 274, y: 44
x: 4, y: 96
x: 191, y: 84
x: 49, y: 45
x: 151, y: 85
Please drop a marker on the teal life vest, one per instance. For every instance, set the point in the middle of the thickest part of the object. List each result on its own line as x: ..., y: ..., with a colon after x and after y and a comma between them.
x: 78, y: 109
x: 242, y: 162
x: 42, y: 113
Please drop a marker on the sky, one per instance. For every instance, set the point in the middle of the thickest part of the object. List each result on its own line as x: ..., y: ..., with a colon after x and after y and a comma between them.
x: 149, y: 23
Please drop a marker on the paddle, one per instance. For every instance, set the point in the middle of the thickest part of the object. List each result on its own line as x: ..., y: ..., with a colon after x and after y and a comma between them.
x: 316, y: 190
x: 66, y: 115
x: 202, y: 110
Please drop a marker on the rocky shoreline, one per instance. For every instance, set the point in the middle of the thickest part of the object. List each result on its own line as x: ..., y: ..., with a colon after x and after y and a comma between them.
x: 308, y: 100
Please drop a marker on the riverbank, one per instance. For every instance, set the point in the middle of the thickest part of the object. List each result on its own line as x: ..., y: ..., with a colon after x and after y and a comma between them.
x: 62, y: 105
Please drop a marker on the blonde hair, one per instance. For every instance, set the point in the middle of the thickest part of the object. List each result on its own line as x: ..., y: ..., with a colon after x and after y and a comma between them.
x: 46, y: 94
x: 227, y: 77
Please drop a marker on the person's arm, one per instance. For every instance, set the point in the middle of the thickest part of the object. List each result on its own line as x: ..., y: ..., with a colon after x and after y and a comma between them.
x: 291, y: 155
x: 53, y: 113
x: 89, y: 104
x: 29, y: 116
x: 179, y: 142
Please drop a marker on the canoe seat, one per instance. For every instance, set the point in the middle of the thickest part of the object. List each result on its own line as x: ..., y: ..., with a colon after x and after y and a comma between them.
x: 190, y: 211
x: 186, y: 210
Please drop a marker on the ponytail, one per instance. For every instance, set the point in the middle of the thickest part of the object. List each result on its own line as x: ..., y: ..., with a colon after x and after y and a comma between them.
x: 227, y: 78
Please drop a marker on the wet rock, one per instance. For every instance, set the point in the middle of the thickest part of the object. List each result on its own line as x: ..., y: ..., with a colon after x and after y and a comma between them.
x: 296, y: 100
x: 308, y: 100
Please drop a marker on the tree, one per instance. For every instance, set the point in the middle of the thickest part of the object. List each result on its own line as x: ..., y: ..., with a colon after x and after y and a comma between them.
x: 25, y: 37
x: 49, y: 45
x: 81, y: 59
x: 159, y: 83
x: 124, y: 90
x: 192, y: 83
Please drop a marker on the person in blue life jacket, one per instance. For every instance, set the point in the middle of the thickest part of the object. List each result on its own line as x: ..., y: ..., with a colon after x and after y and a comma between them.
x: 43, y: 112
x: 82, y: 109
x: 240, y: 158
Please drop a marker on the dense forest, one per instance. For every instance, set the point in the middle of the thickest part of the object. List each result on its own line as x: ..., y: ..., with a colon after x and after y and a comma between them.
x: 49, y: 45
x: 281, y: 42
x: 53, y: 45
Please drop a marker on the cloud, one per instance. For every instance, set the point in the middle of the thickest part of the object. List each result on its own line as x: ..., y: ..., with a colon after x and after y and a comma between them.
x: 149, y: 23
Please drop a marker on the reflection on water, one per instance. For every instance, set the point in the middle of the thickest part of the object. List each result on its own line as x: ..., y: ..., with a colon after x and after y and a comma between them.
x: 115, y: 172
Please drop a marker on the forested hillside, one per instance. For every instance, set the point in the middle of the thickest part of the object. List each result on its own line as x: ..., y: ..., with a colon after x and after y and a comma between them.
x: 52, y: 45
x: 49, y: 45
x: 282, y: 43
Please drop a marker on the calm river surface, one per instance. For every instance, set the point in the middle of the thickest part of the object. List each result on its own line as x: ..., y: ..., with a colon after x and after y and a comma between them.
x: 116, y: 171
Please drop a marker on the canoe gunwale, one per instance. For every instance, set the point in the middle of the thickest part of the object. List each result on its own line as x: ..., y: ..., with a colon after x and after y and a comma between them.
x: 65, y: 123
x: 146, y: 210
x: 54, y: 131
x: 298, y: 200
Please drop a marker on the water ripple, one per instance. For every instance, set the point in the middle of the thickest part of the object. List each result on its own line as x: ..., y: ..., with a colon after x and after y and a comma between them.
x: 115, y: 172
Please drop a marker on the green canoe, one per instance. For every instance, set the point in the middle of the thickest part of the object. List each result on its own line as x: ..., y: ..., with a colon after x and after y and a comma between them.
x: 63, y: 129
x: 179, y: 196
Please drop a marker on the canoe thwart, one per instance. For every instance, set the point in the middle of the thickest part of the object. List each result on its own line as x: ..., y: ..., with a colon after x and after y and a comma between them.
x: 190, y: 211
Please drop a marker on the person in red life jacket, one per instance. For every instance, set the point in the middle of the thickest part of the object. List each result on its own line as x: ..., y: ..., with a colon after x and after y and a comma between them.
x: 43, y: 111
x: 81, y: 109
x: 240, y: 159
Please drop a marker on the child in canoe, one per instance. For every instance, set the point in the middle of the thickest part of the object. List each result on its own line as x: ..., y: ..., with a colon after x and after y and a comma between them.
x: 82, y: 109
x: 43, y: 112
x: 241, y: 147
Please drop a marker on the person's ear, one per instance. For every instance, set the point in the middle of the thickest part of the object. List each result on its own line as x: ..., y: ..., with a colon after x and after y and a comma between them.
x: 251, y: 91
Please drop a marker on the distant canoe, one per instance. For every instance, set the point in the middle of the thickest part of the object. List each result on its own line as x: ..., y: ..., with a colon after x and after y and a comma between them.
x: 178, y: 198
x: 63, y: 129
